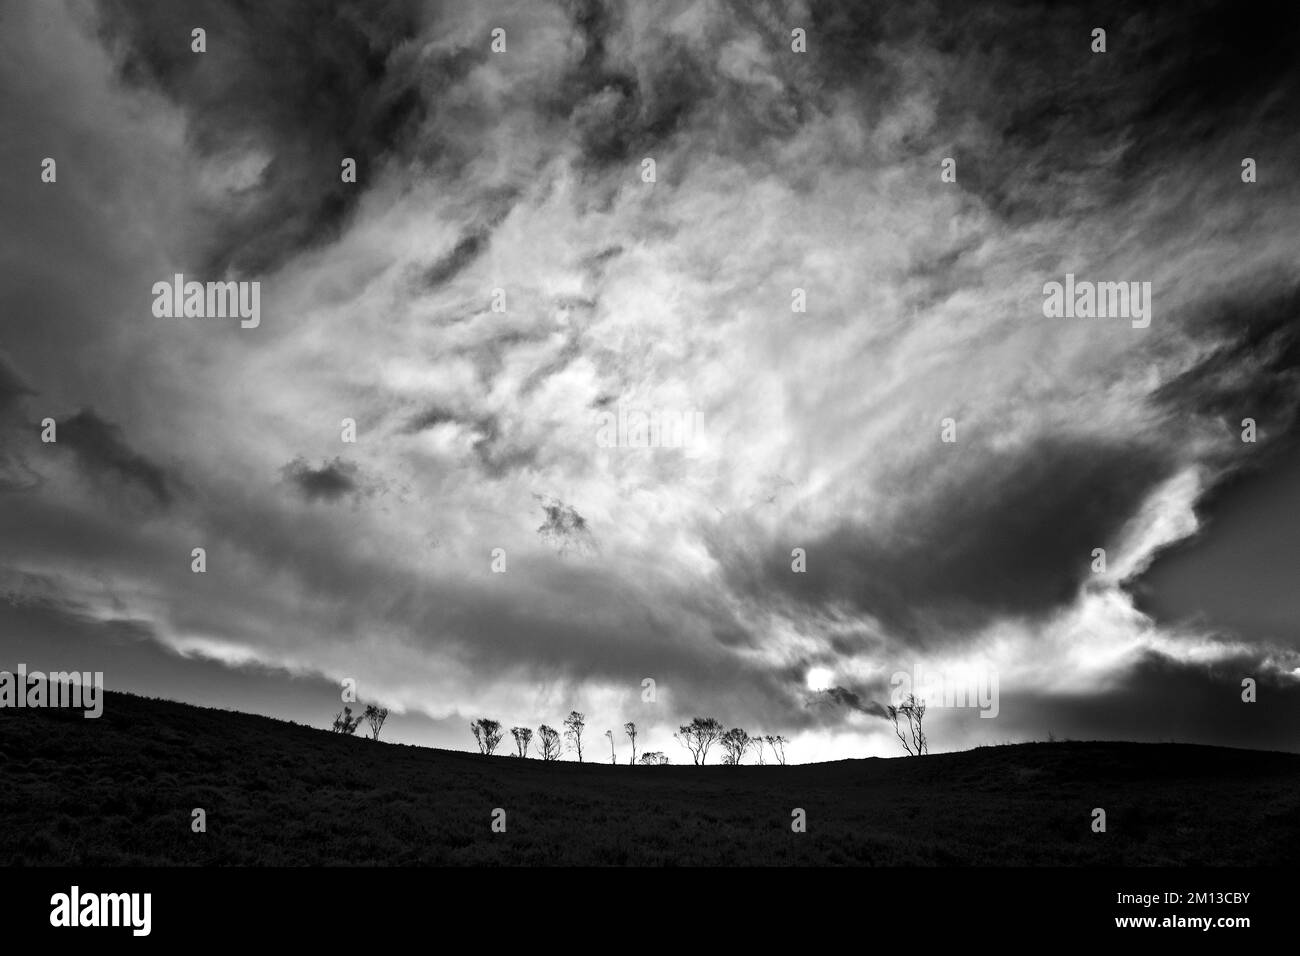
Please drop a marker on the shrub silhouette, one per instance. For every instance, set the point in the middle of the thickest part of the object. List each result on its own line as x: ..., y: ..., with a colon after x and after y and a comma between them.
x: 522, y: 735
x: 487, y: 733
x: 548, y: 740
x: 698, y: 736
x: 735, y: 744
x: 375, y: 716
x: 345, y: 723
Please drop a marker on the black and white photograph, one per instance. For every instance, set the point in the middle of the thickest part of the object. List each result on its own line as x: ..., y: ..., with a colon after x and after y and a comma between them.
x: 465, y: 452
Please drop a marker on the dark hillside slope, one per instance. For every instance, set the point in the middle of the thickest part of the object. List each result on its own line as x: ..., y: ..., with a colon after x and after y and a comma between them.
x: 120, y: 790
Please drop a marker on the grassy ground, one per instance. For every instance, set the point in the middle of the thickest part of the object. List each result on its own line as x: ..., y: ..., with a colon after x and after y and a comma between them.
x: 120, y: 790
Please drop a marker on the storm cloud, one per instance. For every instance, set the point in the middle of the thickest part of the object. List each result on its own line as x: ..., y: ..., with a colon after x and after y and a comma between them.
x: 502, y: 278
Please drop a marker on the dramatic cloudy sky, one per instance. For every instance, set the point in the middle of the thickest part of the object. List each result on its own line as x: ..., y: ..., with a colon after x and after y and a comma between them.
x: 479, y: 429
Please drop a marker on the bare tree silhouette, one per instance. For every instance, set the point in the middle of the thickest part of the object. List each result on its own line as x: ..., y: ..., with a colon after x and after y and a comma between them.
x: 735, y: 744
x: 573, y: 725
x: 345, y: 723
x: 487, y: 733
x: 376, y: 716
x: 630, y: 729
x: 610, y: 735
x: 698, y: 736
x: 548, y: 740
x: 777, y: 743
x: 758, y: 746
x: 522, y: 735
x: 914, y: 712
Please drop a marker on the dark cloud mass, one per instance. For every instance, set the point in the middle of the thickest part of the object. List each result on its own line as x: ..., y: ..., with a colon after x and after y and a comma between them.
x: 14, y: 472
x: 304, y: 84
x: 1009, y: 534
x: 12, y: 387
x: 329, y: 482
x: 1252, y: 365
x: 564, y: 529
x: 841, y: 697
x: 453, y: 262
x: 103, y: 453
x: 1165, y: 699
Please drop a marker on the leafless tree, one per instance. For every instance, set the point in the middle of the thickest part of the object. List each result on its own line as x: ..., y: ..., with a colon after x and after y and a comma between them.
x: 573, y: 725
x: 487, y: 733
x: 522, y: 735
x: 610, y: 735
x: 376, y: 716
x: 758, y: 746
x: 777, y: 743
x: 915, y: 715
x: 630, y: 729
x: 698, y: 736
x: 548, y: 740
x: 735, y: 744
x: 913, y: 710
x: 345, y: 723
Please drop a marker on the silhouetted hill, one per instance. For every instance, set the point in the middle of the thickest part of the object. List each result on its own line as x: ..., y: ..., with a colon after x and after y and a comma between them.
x: 120, y: 790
